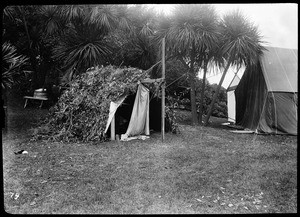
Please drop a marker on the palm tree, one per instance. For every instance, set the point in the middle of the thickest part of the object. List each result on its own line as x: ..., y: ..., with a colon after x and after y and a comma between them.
x: 24, y: 28
x: 211, y: 60
x: 191, y: 35
x: 135, y: 46
x: 240, y: 45
x: 12, y: 66
x: 87, y: 41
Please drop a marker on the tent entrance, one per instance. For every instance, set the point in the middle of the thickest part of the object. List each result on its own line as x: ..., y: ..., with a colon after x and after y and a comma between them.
x: 135, y: 114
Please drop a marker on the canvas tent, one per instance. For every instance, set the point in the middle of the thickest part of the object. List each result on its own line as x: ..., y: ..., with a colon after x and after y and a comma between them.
x: 267, y: 94
x: 231, y: 98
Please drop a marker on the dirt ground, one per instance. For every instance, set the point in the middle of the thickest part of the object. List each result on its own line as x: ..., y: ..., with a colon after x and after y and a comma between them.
x: 199, y: 171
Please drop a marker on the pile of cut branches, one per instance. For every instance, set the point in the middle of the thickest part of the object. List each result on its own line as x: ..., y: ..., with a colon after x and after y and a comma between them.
x: 81, y: 112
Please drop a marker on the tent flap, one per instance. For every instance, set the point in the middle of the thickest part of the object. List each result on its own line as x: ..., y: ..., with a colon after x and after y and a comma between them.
x: 112, y: 110
x: 139, y: 121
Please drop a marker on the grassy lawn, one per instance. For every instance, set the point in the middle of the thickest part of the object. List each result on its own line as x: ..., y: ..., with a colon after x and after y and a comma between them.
x: 200, y: 170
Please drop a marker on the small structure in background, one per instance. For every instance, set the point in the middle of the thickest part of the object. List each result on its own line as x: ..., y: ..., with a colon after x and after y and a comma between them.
x: 231, y: 98
x: 39, y: 94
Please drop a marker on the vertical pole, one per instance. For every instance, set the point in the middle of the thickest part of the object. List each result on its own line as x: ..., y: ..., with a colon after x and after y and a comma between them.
x: 163, y: 93
x: 112, y: 129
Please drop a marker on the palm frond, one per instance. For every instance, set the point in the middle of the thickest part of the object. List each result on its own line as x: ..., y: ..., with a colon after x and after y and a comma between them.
x: 106, y: 16
x: 240, y: 39
x: 12, y: 65
x: 191, y: 27
x: 9, y: 12
x: 123, y: 18
x: 83, y: 52
x: 52, y: 21
x: 71, y: 12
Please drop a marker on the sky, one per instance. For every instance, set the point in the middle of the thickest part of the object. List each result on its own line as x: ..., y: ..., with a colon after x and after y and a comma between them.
x: 277, y: 24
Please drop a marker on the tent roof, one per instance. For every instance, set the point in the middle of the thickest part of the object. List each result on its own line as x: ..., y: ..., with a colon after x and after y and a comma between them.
x: 280, y: 69
x: 234, y: 83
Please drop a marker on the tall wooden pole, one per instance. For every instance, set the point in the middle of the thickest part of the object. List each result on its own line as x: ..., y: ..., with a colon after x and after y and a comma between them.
x: 112, y: 129
x: 163, y: 92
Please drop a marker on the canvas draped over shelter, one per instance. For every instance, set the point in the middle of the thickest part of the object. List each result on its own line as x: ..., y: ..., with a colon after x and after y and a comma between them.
x: 267, y: 95
x: 139, y: 120
x: 112, y: 111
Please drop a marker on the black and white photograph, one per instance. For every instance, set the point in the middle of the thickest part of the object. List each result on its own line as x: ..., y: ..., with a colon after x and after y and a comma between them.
x: 149, y: 108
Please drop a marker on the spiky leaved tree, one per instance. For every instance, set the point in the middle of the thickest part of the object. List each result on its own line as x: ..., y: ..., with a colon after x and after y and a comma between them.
x: 85, y: 42
x: 191, y: 33
x: 23, y: 28
x: 134, y: 46
x: 13, y: 70
x: 12, y: 66
x: 240, y: 44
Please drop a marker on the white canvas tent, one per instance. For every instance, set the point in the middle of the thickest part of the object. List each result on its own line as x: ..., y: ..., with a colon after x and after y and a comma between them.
x: 231, y: 98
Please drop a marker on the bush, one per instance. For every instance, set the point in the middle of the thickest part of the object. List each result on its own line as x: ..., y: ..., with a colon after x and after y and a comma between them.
x: 180, y: 98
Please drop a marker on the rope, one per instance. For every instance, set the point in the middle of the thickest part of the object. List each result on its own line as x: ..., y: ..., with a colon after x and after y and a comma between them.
x: 214, y: 75
x: 176, y: 80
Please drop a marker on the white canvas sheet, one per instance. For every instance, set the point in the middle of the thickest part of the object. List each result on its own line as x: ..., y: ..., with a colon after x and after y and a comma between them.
x: 139, y: 121
x: 112, y: 110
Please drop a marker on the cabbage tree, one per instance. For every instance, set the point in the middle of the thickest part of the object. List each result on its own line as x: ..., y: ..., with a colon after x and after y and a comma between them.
x: 86, y: 41
x: 191, y: 35
x: 240, y: 44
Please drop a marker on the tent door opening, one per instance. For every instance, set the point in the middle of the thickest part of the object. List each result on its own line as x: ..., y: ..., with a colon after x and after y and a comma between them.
x: 136, y: 114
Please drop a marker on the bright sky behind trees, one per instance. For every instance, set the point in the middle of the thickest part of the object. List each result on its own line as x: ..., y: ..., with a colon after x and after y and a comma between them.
x: 277, y: 23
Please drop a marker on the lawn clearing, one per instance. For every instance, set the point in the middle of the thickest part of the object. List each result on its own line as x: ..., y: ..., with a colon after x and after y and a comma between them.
x: 201, y: 170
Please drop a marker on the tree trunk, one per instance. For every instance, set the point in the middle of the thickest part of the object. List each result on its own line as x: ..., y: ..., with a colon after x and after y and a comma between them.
x: 216, y: 94
x: 192, y: 85
x: 202, y: 93
x: 32, y: 56
x: 193, y: 97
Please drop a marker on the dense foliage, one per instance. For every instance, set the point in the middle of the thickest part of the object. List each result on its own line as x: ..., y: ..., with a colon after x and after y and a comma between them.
x: 178, y: 91
x: 180, y: 99
x: 82, y: 111
x: 13, y: 66
x: 220, y: 106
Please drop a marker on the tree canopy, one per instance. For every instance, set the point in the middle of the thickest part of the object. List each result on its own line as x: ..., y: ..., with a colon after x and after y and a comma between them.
x: 65, y: 40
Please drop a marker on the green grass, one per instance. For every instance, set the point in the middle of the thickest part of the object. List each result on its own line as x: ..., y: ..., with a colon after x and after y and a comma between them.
x: 200, y: 170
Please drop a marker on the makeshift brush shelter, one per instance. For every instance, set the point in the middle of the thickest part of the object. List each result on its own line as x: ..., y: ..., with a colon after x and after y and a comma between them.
x: 267, y: 94
x: 104, y: 96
